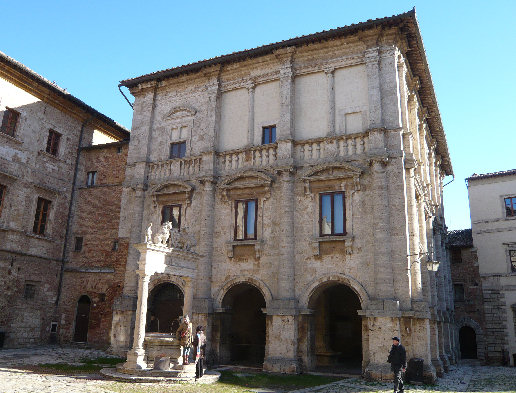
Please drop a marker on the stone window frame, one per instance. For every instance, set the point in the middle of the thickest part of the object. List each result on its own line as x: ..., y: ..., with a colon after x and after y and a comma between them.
x: 48, y: 194
x: 171, y: 193
x: 6, y: 122
x: 30, y: 289
x: 269, y: 128
x: 91, y: 178
x: 245, y: 202
x: 40, y: 225
x: 177, y: 118
x: 332, y: 194
x: 172, y: 205
x: 181, y: 154
x: 116, y: 245
x: 513, y: 206
x: 53, y: 142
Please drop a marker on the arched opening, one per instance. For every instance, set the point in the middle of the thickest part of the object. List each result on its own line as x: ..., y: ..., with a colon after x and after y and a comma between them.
x: 82, y: 319
x: 164, y: 307
x: 243, y: 326
x: 468, y: 343
x: 336, y: 328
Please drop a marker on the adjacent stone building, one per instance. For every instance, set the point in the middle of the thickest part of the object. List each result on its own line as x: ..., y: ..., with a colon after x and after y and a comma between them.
x: 42, y: 132
x: 467, y: 289
x: 492, y: 202
x: 309, y: 175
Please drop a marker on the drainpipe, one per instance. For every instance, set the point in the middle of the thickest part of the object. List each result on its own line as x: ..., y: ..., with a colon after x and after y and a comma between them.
x: 70, y: 207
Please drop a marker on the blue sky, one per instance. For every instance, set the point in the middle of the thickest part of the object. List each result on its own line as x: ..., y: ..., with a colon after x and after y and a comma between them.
x: 88, y: 47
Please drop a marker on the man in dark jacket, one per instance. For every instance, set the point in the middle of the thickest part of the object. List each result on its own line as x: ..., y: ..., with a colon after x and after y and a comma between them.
x: 398, y: 360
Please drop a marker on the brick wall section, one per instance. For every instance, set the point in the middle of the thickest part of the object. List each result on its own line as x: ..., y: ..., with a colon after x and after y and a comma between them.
x: 97, y: 270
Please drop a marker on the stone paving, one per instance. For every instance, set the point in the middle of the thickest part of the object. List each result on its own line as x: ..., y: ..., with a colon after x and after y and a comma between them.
x: 18, y: 374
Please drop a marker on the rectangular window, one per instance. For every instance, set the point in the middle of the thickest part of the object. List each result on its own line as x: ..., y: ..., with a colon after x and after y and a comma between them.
x: 510, y: 207
x: 40, y: 220
x: 458, y: 292
x: 9, y: 122
x: 455, y: 255
x: 171, y: 213
x: 245, y: 219
x: 115, y: 245
x: 512, y: 257
x: 2, y: 194
x: 53, y: 142
x: 268, y: 135
x: 91, y: 179
x: 29, y: 292
x: 78, y: 244
x: 177, y: 150
x: 332, y: 214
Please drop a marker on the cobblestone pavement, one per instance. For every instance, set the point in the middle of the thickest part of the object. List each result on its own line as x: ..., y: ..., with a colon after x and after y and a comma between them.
x: 17, y: 374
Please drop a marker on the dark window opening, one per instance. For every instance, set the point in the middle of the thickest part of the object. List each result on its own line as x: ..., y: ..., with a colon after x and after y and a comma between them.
x: 29, y: 291
x: 2, y: 194
x: 268, y: 135
x: 510, y: 206
x: 91, y: 179
x: 115, y: 245
x: 10, y: 121
x: 458, y: 292
x: 171, y: 213
x: 245, y: 219
x: 78, y: 244
x: 53, y: 142
x: 512, y: 257
x: 332, y: 214
x: 40, y: 220
x: 177, y: 150
x: 53, y: 327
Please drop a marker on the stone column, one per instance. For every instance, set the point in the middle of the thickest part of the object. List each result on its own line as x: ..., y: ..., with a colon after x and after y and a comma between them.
x: 135, y: 357
x: 250, y: 128
x: 282, y: 314
x: 285, y: 128
x: 188, y: 298
x: 331, y: 100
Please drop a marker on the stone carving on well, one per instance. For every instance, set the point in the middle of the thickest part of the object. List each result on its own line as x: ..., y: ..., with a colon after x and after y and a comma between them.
x: 161, y: 238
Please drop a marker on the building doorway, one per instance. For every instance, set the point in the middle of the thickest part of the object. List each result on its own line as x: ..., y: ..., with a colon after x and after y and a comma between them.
x: 336, y: 328
x: 164, y: 307
x: 82, y: 319
x: 243, y: 326
x: 468, y: 343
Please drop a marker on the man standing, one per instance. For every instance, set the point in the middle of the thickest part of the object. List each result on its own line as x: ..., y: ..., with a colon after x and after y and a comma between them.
x: 184, y: 336
x: 199, y: 345
x: 398, y: 360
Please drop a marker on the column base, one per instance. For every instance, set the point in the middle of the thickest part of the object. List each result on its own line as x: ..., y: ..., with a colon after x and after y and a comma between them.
x: 378, y: 372
x: 439, y: 368
x: 429, y: 374
x: 135, y: 360
x: 282, y: 365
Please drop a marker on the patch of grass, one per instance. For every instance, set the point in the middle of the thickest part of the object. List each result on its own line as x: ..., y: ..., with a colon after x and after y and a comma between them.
x: 88, y: 365
x: 271, y: 381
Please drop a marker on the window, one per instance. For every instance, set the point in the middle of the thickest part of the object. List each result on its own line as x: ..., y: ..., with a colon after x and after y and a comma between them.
x: 115, y: 245
x: 10, y: 121
x: 53, y: 327
x: 455, y: 255
x: 245, y: 219
x: 171, y: 213
x: 40, y: 220
x: 458, y: 292
x: 332, y: 215
x: 512, y: 257
x: 29, y: 291
x: 510, y: 207
x: 78, y: 244
x: 91, y: 179
x: 268, y: 135
x: 177, y: 150
x: 53, y: 142
x: 2, y: 194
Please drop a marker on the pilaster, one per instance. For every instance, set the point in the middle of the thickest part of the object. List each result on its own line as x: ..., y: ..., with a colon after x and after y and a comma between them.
x: 330, y: 80
x: 285, y: 128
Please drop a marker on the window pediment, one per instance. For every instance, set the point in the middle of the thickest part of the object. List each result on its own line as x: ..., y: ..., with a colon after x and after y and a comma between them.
x: 246, y: 184
x: 332, y: 177
x: 172, y: 192
x: 180, y: 112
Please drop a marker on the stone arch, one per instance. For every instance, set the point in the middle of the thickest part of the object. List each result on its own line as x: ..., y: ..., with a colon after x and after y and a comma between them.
x: 158, y: 279
x: 328, y: 279
x: 165, y: 304
x: 470, y: 322
x: 259, y: 284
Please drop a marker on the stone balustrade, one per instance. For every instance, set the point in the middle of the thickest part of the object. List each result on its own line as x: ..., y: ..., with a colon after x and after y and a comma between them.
x: 262, y: 156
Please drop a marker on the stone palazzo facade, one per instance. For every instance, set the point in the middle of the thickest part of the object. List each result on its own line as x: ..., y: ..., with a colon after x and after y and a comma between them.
x: 310, y: 174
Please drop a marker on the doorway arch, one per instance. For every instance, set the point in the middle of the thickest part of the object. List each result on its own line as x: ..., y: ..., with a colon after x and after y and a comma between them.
x: 243, y: 325
x: 336, y: 327
x: 468, y: 342
x: 82, y: 319
x: 164, y: 307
